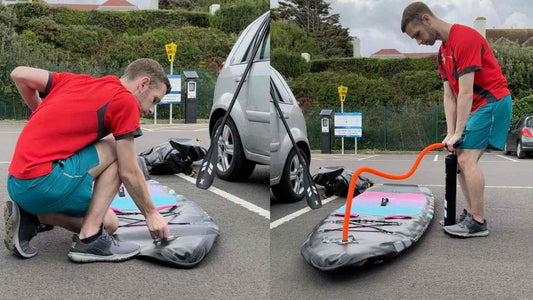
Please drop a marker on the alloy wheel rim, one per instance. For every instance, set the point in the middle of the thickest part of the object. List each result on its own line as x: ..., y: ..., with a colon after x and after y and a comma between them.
x: 225, y: 149
x: 296, y: 175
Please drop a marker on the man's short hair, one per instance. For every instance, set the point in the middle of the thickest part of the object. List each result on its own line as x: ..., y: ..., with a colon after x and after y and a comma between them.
x: 149, y: 68
x: 413, y: 13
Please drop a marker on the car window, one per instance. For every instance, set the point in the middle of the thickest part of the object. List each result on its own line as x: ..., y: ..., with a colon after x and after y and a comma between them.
x: 248, y: 52
x: 242, y: 49
x: 284, y: 94
x: 529, y: 122
x: 520, y: 123
x: 264, y: 50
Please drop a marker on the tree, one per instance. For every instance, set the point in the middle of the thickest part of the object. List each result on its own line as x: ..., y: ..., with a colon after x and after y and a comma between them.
x: 314, y: 18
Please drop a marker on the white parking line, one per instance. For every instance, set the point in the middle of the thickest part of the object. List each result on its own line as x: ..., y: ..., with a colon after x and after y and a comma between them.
x: 514, y: 160
x: 487, y: 186
x: 251, y: 207
x: 436, y: 158
x: 5, y: 162
x: 363, y: 158
x: 298, y: 213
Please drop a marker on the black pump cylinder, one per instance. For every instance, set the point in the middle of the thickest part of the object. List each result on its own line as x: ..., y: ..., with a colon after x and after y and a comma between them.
x: 450, y: 190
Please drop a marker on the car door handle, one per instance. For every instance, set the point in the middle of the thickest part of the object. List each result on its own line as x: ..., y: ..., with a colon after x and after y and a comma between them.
x: 239, y: 78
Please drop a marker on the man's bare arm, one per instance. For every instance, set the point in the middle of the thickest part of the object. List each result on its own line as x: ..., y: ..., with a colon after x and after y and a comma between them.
x: 450, y: 108
x: 133, y: 178
x: 29, y: 82
x: 464, y: 101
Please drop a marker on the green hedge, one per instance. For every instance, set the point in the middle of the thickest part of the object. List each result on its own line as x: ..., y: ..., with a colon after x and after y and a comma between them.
x: 522, y: 107
x: 289, y: 64
x: 197, y: 47
x: 410, y: 87
x: 516, y: 65
x: 234, y: 18
x: 374, y: 67
x: 132, y: 22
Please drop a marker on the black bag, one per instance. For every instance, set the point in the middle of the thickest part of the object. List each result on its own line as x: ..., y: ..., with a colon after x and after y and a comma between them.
x: 174, y: 156
x: 336, y: 181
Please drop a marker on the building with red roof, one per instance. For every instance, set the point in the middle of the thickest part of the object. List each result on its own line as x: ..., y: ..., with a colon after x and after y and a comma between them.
x: 393, y: 53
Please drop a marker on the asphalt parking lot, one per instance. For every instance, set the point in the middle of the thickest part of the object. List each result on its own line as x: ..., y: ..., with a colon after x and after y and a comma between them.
x: 236, y: 268
x: 438, y: 266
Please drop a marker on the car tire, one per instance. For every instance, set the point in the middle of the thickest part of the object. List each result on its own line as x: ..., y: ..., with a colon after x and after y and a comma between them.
x: 231, y: 163
x: 505, y: 150
x: 285, y: 190
x: 519, y: 151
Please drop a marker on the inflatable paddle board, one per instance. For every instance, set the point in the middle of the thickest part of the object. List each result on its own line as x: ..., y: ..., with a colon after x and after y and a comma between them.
x: 384, y: 221
x: 192, y: 231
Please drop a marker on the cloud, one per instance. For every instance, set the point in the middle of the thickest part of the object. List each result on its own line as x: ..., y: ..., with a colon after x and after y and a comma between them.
x: 377, y: 22
x: 518, y: 20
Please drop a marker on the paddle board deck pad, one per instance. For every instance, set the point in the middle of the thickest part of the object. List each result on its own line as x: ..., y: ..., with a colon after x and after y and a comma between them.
x: 384, y: 221
x: 192, y: 231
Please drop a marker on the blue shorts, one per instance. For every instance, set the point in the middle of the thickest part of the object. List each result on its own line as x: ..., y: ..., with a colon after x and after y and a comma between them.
x: 67, y: 189
x: 487, y: 127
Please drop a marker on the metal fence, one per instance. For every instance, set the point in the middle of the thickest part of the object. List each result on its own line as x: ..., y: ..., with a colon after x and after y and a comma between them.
x: 386, y: 128
x: 12, y: 106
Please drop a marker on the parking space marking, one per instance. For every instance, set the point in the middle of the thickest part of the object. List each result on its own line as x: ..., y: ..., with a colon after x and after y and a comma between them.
x: 5, y: 162
x: 249, y: 206
x: 363, y: 158
x: 513, y: 160
x: 298, y: 213
x: 487, y: 186
x: 436, y: 158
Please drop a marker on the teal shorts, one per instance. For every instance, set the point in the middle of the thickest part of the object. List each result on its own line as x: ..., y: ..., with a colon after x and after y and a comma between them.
x: 67, y: 189
x: 488, y: 126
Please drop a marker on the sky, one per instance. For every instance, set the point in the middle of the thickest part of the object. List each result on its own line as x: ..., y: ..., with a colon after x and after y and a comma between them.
x: 377, y: 22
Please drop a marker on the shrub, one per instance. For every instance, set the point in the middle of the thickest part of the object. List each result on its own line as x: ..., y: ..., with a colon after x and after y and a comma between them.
x: 234, y: 18
x: 289, y: 64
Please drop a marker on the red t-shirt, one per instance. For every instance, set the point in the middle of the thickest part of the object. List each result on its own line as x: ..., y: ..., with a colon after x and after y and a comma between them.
x: 468, y: 51
x: 77, y: 111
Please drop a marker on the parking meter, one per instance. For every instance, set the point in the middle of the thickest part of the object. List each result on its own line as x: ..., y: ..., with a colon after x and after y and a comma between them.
x: 325, y: 125
x: 190, y: 101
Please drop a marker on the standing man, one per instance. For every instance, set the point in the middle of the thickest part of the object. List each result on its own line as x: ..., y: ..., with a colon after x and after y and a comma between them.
x: 59, y: 154
x: 477, y: 104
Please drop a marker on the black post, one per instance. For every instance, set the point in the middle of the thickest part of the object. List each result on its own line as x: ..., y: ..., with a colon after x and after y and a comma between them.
x: 451, y: 189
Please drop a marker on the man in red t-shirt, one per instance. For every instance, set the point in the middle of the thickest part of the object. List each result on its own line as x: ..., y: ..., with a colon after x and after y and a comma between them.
x: 60, y: 153
x: 477, y: 104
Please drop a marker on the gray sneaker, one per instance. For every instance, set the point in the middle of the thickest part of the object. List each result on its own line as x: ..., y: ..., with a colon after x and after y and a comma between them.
x: 21, y: 227
x: 104, y: 248
x: 461, y: 218
x: 468, y: 228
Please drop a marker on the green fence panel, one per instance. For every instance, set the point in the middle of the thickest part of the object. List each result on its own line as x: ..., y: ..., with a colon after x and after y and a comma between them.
x: 386, y: 128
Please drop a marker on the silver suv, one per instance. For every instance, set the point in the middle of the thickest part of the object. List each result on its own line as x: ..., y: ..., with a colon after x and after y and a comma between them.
x: 245, y: 140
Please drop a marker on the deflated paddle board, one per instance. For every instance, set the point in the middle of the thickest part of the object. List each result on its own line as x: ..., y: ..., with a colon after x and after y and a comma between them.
x: 192, y: 231
x: 384, y: 221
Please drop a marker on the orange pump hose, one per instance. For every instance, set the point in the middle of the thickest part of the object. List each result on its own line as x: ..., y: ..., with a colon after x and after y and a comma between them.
x: 359, y: 171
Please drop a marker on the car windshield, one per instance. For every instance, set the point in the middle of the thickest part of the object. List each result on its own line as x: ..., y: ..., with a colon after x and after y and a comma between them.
x: 529, y: 122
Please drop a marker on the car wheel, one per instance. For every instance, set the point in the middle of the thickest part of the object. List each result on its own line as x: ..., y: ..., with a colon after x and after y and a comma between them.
x: 505, y: 150
x: 231, y: 163
x: 290, y: 187
x: 519, y: 151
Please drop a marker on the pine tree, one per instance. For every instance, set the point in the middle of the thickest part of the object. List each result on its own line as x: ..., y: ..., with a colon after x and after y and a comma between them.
x: 314, y: 17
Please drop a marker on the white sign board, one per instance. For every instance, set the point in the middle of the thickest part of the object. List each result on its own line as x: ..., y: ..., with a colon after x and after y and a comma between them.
x: 174, y: 97
x: 348, y: 124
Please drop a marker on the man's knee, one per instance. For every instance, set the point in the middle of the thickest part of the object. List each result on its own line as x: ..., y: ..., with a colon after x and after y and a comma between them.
x: 467, y: 159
